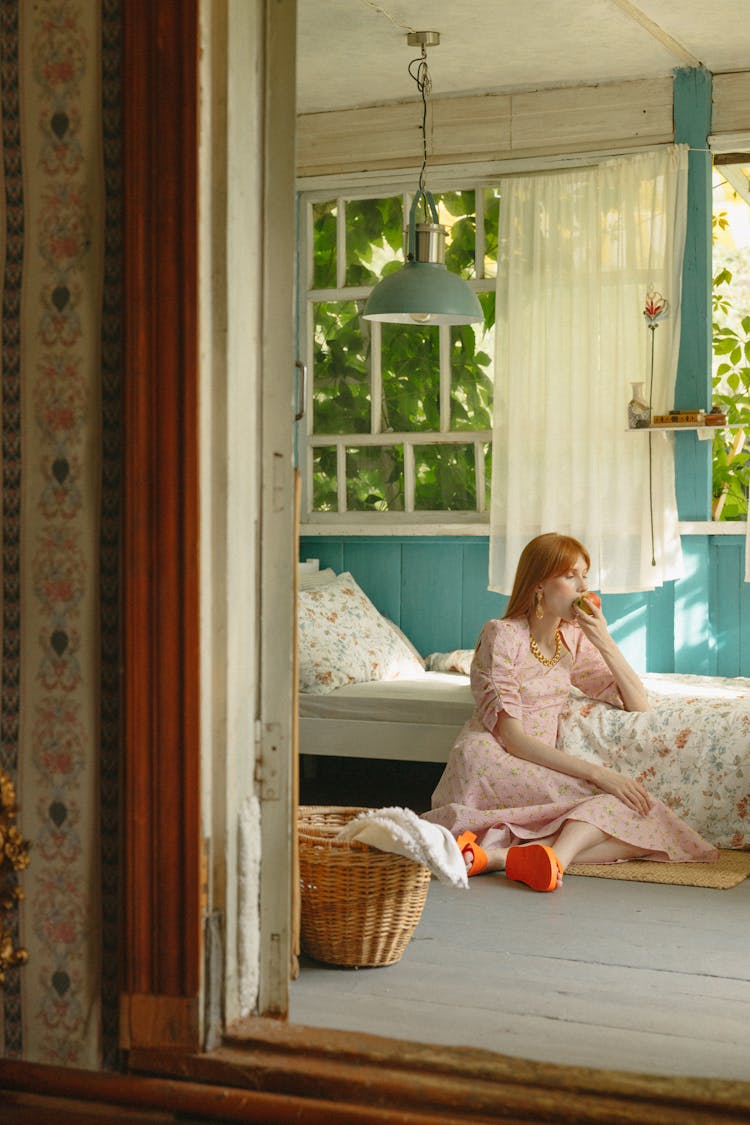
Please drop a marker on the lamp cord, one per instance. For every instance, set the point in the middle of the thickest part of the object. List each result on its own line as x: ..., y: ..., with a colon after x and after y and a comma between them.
x: 421, y: 76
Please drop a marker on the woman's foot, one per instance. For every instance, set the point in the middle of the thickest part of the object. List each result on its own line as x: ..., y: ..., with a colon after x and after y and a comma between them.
x: 475, y: 857
x: 536, y: 865
x: 479, y: 859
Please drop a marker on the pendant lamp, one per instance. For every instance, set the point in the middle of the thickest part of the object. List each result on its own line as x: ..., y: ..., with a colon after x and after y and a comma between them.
x: 423, y: 291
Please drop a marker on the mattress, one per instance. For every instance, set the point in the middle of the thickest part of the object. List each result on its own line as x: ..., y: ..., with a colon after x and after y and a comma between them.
x: 416, y: 720
x: 436, y: 697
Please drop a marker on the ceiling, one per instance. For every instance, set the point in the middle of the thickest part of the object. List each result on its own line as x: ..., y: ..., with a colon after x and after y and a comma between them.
x: 355, y: 53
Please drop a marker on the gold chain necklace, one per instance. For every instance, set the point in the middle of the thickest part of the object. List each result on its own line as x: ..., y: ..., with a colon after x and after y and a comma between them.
x: 547, y: 661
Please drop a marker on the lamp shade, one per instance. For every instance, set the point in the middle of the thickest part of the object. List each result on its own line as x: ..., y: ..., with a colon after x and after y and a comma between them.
x: 424, y: 291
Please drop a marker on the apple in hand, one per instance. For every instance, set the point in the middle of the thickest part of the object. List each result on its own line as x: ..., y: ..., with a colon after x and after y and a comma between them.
x: 587, y: 600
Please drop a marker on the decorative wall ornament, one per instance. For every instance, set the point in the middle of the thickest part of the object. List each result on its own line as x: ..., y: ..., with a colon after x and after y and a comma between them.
x: 655, y: 309
x: 14, y: 857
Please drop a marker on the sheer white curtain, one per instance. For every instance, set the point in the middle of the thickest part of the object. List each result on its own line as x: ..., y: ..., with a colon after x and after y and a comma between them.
x: 578, y: 252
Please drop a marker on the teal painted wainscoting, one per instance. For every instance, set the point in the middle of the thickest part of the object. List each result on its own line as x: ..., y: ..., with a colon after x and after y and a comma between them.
x: 432, y: 587
x: 435, y: 589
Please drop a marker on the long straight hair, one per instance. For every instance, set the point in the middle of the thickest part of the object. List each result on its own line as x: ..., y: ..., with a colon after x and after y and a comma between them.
x: 544, y: 557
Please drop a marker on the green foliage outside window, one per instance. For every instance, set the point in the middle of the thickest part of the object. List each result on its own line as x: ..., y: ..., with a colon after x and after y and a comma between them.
x: 472, y: 346
x: 731, y: 383
x: 445, y: 477
x: 374, y: 239
x: 341, y: 366
x: 375, y: 479
x: 411, y: 377
x: 409, y: 358
x: 325, y: 480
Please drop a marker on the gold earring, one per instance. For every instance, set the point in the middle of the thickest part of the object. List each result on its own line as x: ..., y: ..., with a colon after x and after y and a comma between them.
x: 539, y: 608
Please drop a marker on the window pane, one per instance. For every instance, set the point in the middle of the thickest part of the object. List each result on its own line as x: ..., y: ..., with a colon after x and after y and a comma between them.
x: 410, y: 366
x: 487, y: 474
x: 731, y: 339
x: 444, y: 478
x: 324, y: 245
x: 491, y: 219
x: 341, y: 368
x: 457, y: 212
x: 325, y: 496
x: 472, y: 370
x: 374, y: 239
x: 731, y: 474
x: 375, y: 479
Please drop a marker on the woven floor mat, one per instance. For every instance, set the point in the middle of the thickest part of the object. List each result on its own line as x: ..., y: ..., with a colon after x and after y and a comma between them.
x: 731, y: 869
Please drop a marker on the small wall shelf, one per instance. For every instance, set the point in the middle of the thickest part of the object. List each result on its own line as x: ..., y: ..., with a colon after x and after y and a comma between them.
x: 703, y: 432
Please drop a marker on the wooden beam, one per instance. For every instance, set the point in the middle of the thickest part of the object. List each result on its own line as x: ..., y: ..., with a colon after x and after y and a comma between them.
x: 321, y: 1077
x: 731, y: 104
x: 160, y: 565
x: 447, y: 1084
x: 489, y: 127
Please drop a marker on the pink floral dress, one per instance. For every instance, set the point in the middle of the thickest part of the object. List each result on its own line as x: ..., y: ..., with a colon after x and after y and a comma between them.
x: 505, y: 799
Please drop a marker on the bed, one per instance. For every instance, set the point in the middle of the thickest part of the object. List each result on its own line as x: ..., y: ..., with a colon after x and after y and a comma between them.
x: 365, y: 692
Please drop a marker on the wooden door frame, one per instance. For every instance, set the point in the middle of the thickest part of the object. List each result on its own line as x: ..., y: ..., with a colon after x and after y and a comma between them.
x: 160, y: 590
x: 313, y: 1074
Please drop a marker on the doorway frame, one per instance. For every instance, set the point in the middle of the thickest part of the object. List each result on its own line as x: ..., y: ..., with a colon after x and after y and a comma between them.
x: 162, y: 946
x: 370, y: 1077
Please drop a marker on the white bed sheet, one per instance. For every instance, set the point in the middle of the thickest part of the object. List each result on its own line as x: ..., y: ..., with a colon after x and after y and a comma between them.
x: 414, y: 720
x: 435, y: 697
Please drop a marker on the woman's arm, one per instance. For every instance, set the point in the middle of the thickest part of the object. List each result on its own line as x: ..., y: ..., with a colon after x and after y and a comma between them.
x: 629, y: 684
x: 517, y: 742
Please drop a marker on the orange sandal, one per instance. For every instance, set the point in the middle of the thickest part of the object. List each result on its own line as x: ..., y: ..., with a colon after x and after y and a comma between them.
x: 535, y: 864
x: 466, y: 843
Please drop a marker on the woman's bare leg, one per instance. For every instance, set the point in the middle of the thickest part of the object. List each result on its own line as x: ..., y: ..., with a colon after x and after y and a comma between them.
x: 576, y: 840
x: 585, y: 843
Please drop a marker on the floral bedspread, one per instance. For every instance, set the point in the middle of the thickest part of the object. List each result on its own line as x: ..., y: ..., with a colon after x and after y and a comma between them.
x: 692, y: 750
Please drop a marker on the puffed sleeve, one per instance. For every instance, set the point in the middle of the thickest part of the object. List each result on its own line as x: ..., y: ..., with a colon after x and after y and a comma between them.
x: 494, y: 673
x: 590, y: 674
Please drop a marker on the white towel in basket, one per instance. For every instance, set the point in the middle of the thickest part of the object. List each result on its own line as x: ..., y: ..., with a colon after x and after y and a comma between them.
x: 403, y: 832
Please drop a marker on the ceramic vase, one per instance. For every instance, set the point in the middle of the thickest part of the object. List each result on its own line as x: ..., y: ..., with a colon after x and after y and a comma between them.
x: 639, y: 414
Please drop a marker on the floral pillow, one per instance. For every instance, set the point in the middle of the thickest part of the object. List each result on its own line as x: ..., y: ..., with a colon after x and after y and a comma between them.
x: 344, y: 640
x: 457, y: 661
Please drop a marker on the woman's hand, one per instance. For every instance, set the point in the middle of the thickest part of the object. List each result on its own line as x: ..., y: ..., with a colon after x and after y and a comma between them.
x: 593, y: 625
x: 629, y: 684
x: 631, y: 793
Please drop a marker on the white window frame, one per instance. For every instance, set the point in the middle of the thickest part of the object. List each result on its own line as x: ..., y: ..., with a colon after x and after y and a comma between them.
x: 409, y: 520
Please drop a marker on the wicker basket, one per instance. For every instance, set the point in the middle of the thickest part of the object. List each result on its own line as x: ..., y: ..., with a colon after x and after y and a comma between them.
x: 360, y: 906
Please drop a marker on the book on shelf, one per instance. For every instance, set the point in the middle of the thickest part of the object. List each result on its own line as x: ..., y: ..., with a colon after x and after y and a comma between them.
x: 680, y: 418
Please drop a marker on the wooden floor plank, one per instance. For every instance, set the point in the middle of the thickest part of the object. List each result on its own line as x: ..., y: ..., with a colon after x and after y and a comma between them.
x: 642, y: 977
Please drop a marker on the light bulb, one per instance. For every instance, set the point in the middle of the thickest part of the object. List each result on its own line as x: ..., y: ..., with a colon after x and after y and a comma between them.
x: 421, y: 318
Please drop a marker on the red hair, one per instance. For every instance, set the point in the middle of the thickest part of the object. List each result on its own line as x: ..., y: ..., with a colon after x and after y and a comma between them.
x: 544, y: 557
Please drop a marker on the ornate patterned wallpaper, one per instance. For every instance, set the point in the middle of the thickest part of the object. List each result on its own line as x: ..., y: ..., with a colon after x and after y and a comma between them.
x: 60, y: 457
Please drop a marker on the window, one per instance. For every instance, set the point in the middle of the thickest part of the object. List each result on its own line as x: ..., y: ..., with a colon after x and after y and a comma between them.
x: 731, y: 335
x: 399, y: 417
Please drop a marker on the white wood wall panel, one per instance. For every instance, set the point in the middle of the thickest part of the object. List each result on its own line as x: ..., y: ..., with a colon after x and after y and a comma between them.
x: 731, y: 103
x: 623, y: 114
x: 491, y: 127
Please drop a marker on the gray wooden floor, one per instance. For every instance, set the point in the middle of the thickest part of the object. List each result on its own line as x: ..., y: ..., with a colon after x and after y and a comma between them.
x: 603, y: 973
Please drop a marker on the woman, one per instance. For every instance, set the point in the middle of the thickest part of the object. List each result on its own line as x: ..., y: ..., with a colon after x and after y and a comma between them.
x: 514, y: 801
